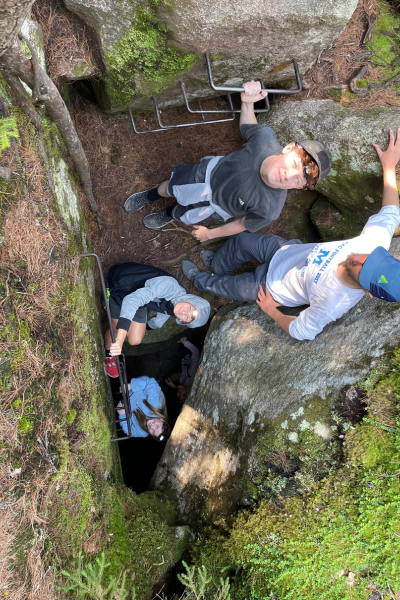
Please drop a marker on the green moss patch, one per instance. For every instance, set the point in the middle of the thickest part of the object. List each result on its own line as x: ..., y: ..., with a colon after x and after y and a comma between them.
x: 143, y: 61
x: 339, y: 539
x: 385, y: 48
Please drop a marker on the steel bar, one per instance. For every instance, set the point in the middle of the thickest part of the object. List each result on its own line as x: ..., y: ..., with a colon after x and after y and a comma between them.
x: 240, y: 89
x: 121, y: 367
x: 226, y: 110
x: 203, y: 122
x: 166, y: 127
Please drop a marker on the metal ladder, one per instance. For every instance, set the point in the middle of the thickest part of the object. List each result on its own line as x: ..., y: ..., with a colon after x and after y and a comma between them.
x: 230, y: 110
x: 121, y: 364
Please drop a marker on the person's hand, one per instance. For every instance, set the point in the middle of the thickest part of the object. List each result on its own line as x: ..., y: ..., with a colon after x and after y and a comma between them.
x: 115, y: 348
x: 252, y: 92
x: 265, y: 301
x: 200, y: 232
x: 169, y: 382
x: 391, y: 156
x: 182, y: 340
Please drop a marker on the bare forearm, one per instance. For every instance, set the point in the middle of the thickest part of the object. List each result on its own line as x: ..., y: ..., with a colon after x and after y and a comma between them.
x: 390, y: 193
x: 227, y: 230
x: 280, y: 319
x: 247, y: 116
x: 121, y: 335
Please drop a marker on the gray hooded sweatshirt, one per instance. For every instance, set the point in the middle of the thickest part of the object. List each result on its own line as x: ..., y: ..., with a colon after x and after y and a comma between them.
x: 155, y: 289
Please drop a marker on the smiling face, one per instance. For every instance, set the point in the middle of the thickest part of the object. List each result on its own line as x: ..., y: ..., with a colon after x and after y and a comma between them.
x: 185, y: 312
x: 284, y: 171
x: 155, y: 426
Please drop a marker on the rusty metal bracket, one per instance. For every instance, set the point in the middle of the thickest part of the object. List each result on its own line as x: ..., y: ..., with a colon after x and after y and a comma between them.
x: 230, y: 110
x: 121, y: 365
x: 225, y: 89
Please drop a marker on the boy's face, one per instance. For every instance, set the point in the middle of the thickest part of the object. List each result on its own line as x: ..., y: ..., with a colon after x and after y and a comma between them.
x: 286, y: 170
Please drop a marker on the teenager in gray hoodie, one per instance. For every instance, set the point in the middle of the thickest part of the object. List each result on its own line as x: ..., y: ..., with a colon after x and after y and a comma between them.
x: 133, y: 288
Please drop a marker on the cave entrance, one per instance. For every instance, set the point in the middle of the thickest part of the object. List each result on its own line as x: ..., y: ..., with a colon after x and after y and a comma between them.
x: 140, y: 456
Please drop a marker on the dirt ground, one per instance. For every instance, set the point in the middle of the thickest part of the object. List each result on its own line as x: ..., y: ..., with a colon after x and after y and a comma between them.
x: 123, y: 162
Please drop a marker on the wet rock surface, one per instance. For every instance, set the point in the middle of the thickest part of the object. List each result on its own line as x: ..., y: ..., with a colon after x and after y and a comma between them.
x: 266, y: 412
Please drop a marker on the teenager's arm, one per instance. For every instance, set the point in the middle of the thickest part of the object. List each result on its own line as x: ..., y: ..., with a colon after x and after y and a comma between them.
x: 389, y: 160
x: 252, y: 93
x: 203, y: 234
x: 270, y: 307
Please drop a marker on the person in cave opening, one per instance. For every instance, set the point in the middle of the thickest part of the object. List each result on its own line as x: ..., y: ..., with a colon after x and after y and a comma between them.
x: 180, y: 380
x: 132, y: 289
x: 250, y: 183
x: 331, y: 277
x: 149, y: 410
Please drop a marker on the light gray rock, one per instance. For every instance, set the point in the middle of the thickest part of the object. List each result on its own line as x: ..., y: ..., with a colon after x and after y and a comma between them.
x: 248, y: 39
x: 259, y: 394
x: 355, y: 183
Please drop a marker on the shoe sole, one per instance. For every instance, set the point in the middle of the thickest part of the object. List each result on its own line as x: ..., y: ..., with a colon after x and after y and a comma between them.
x: 156, y: 226
x: 136, y: 209
x: 113, y: 376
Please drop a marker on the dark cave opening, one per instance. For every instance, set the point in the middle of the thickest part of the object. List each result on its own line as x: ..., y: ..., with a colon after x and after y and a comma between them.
x: 140, y: 456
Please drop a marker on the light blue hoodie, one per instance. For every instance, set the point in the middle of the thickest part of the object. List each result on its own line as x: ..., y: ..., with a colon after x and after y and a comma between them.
x: 143, y: 388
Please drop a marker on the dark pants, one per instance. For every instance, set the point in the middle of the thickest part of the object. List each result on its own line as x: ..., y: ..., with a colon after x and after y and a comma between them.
x: 240, y: 248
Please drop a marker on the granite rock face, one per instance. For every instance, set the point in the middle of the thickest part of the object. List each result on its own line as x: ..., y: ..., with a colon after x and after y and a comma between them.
x: 148, y: 47
x: 263, y: 407
x: 354, y: 185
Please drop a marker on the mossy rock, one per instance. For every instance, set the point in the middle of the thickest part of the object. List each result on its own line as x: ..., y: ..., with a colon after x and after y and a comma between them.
x: 261, y: 419
x: 149, y: 46
x: 332, y: 224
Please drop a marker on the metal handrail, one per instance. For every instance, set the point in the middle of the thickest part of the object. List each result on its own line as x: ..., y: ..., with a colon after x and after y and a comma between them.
x: 121, y: 366
x: 231, y: 110
x: 217, y: 88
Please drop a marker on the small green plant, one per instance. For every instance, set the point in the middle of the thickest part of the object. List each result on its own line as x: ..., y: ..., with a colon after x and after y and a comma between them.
x: 86, y: 582
x: 8, y: 130
x: 198, y: 584
x: 70, y: 416
x: 24, y: 425
x: 16, y: 403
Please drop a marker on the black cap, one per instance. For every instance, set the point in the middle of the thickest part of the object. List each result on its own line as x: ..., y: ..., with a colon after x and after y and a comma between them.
x: 321, y: 156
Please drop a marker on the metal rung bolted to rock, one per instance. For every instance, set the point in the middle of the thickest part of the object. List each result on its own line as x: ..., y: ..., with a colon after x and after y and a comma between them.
x: 230, y: 110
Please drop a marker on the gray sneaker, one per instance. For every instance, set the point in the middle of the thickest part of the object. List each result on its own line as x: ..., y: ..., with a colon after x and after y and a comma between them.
x: 157, y: 220
x: 137, y: 201
x: 206, y: 258
x: 189, y: 269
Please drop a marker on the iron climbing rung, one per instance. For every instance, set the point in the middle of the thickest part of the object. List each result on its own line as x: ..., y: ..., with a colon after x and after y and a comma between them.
x: 230, y: 110
x: 217, y: 88
x: 180, y: 125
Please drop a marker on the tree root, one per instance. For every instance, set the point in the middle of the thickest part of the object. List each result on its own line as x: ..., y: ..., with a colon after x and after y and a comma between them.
x: 353, y: 83
x: 25, y: 103
x: 14, y: 64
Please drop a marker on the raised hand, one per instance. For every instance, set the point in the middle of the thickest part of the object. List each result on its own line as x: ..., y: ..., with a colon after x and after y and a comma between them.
x: 391, y: 156
x: 252, y: 92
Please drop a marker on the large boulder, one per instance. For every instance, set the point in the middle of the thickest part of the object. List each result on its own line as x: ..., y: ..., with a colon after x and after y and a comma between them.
x: 149, y: 46
x: 266, y: 413
x: 355, y: 183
